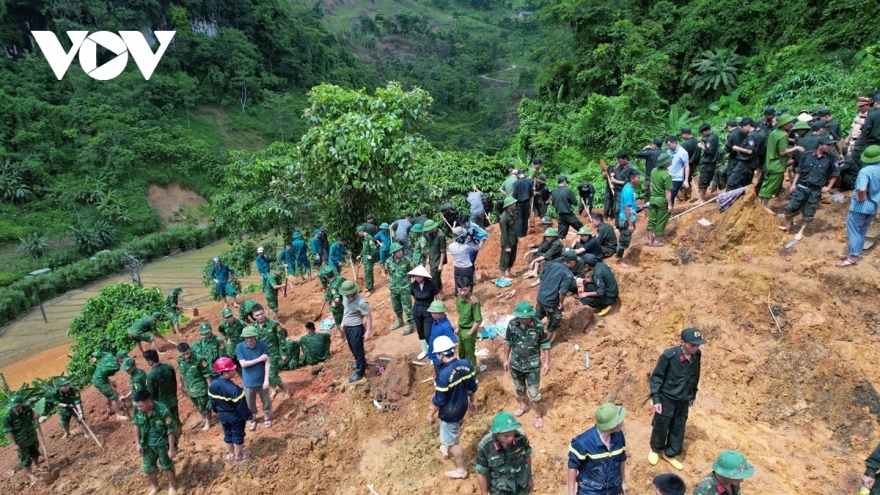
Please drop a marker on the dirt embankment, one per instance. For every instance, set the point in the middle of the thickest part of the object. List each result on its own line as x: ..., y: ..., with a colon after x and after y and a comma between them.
x: 177, y: 206
x: 799, y: 399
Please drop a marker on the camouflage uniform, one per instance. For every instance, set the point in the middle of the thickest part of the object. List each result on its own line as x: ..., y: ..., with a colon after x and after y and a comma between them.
x: 195, y: 372
x: 232, y: 334
x: 401, y: 296
x: 369, y: 255
x: 137, y: 381
x: 526, y: 343
x: 107, y: 367
x: 710, y: 486
x: 270, y: 333
x: 271, y: 292
x: 154, y: 431
x: 162, y: 384
x: 210, y: 348
x: 315, y: 348
x: 171, y: 303
x: 143, y: 329
x: 71, y: 398
x: 505, y: 467
x: 420, y: 249
x: 290, y: 349
x: 24, y: 429
x: 323, y: 278
x: 332, y: 294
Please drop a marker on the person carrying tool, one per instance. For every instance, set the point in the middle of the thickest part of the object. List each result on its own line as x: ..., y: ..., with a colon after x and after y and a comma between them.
x: 66, y: 398
x: 19, y: 425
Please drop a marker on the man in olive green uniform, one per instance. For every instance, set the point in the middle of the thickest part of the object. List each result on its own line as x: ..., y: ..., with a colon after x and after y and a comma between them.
x: 323, y: 278
x: 660, y: 202
x: 368, y: 257
x: 315, y: 346
x: 524, y: 343
x: 728, y: 471
x: 273, y: 285
x: 208, y: 346
x: 436, y: 252
x: 673, y: 390
x: 137, y: 378
x: 66, y: 398
x: 563, y: 202
x: 332, y: 295
x: 401, y: 296
x: 509, y: 238
x: 173, y: 307
x: 504, y: 459
x: 269, y: 332
x: 162, y: 385
x: 470, y: 316
x: 155, y: 434
x: 107, y: 366
x: 420, y: 244
x: 777, y: 159
x: 21, y: 431
x: 195, y: 378
x: 550, y: 249
x: 230, y: 328
x: 144, y: 330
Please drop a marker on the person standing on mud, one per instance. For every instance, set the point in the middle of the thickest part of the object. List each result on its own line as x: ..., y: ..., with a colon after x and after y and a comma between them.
x: 357, y: 326
x: 20, y: 428
x: 556, y: 281
x: 195, y: 378
x: 173, y: 308
x: 436, y: 252
x: 227, y: 400
x: 107, y: 366
x: 162, y: 385
x: 811, y: 179
x: 222, y: 275
x: 674, y: 385
x: 563, y: 202
x: 524, y: 343
x: 504, y: 459
x: 230, y: 328
x: 597, y: 457
x: 727, y: 474
x: 156, y: 439
x: 424, y: 292
x: 253, y: 355
x: 508, y: 239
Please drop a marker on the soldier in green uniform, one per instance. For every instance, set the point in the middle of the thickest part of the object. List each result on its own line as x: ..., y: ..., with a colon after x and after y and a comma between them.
x: 436, y: 252
x: 273, y: 285
x: 195, y: 378
x: 660, y: 202
x: 401, y: 297
x: 419, y: 244
x: 173, y: 308
x: 162, y: 385
x: 776, y: 160
x: 315, y: 346
x: 524, y: 343
x: 208, y: 346
x: 230, y: 328
x: 504, y: 459
x: 509, y: 238
x: 323, y: 278
x: 728, y: 472
x: 269, y: 332
x: 290, y: 350
x: 107, y: 366
x: 673, y: 391
x: 550, y: 249
x: 155, y: 434
x: 470, y: 317
x: 144, y: 330
x: 137, y: 378
x: 244, y: 312
x: 332, y: 295
x: 66, y: 398
x: 563, y: 201
x: 368, y: 258
x: 21, y: 431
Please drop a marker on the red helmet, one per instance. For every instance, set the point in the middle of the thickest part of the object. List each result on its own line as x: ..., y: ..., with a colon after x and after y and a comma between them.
x: 223, y: 364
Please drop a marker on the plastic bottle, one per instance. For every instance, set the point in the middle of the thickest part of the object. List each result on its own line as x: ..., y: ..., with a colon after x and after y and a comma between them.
x: 587, y: 360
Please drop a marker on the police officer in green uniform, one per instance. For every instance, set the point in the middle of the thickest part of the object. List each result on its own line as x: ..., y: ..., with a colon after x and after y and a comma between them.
x: 332, y: 295
x: 155, y: 435
x: 162, y: 385
x: 137, y: 378
x: 195, y: 378
x: 269, y: 332
x: 401, y: 297
x: 436, y: 252
x: 230, y: 328
x: 504, y: 459
x: 208, y: 346
x: 21, y: 431
x: 524, y: 343
x: 66, y: 398
x: 674, y: 385
x: 728, y: 471
x: 563, y: 202
x: 144, y: 330
x: 420, y: 244
x: 368, y: 257
x: 107, y: 366
x: 315, y: 346
x: 273, y: 285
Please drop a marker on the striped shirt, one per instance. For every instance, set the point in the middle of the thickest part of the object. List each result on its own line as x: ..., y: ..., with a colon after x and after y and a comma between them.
x: 455, y: 383
x: 598, y: 466
x: 868, y: 180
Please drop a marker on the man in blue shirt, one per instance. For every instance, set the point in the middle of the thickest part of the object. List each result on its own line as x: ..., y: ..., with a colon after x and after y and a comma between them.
x: 597, y: 457
x: 253, y: 356
x: 679, y: 169
x: 453, y: 398
x: 337, y: 253
x: 400, y: 230
x: 863, y: 205
x: 263, y: 263
x: 300, y: 256
x: 221, y: 274
x: 440, y: 326
x: 626, y: 220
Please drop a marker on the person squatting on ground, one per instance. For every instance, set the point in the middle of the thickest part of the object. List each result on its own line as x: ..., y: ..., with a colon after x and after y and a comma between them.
x: 598, y: 289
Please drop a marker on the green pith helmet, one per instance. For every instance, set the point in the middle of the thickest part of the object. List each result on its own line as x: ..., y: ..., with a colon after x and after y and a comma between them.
x: 437, y: 307
x: 249, y: 331
x: 524, y: 310
x: 551, y: 232
x: 384, y: 226
x: 731, y: 464
x: 871, y: 154
x: 585, y: 231
x: 279, y: 268
x: 800, y: 125
x: 395, y: 246
x: 785, y: 119
x: 127, y: 363
x: 429, y: 225
x: 62, y: 382
x: 417, y: 229
x: 664, y: 159
x: 348, y: 288
x: 608, y: 416
x: 205, y: 328
x: 508, y: 201
x: 121, y: 354
x: 327, y: 270
x: 226, y: 313
x: 504, y: 422
x: 177, y: 288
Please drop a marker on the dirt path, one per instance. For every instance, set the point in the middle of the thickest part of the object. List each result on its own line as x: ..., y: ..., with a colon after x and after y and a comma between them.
x: 800, y: 403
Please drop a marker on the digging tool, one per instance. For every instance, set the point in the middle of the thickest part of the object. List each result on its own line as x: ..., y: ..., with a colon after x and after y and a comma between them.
x: 82, y: 420
x: 353, y: 272
x: 607, y: 177
x: 318, y: 316
x: 53, y: 473
x: 692, y: 208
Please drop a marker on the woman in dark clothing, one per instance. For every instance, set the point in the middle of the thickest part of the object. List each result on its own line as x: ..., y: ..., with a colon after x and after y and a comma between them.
x: 424, y: 290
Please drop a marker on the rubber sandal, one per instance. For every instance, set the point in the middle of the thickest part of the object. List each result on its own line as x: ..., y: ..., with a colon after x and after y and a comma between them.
x: 228, y: 457
x: 604, y: 311
x: 456, y: 474
x: 520, y: 411
x: 252, y: 426
x: 847, y: 262
x: 539, y: 421
x: 267, y: 423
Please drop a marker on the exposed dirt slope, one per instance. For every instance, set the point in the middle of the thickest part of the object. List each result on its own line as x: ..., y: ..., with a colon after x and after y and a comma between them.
x: 176, y: 205
x: 800, y: 403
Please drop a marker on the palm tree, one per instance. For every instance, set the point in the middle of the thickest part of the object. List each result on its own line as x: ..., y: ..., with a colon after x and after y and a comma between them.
x: 716, y: 72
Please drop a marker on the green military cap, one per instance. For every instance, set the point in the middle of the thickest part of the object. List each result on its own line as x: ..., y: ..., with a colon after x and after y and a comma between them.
x: 871, y: 154
x: 585, y: 231
x: 731, y: 464
x: 226, y: 313
x: 348, y: 288
x: 608, y: 416
x: 561, y: 179
x: 297, y: 235
x: 249, y: 331
x: 692, y: 336
x: 800, y: 125
x: 121, y: 354
x: 504, y: 422
x: 785, y: 119
x: 360, y: 228
x: 177, y: 288
x: 524, y: 310
x: 508, y: 201
x: 664, y: 159
x: 205, y: 328
x: 279, y: 268
x: 569, y: 254
x: 417, y: 228
x: 127, y: 363
x: 97, y: 354
x: 551, y: 232
x: 437, y: 307
x: 384, y: 226
x: 327, y: 271
x: 395, y: 246
x: 429, y: 225
x: 62, y: 382
x: 15, y: 400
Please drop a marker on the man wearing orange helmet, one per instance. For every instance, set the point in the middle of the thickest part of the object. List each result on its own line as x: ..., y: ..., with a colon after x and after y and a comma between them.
x: 227, y: 400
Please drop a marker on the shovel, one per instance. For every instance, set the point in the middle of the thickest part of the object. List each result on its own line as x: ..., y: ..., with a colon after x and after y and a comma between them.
x: 318, y: 316
x: 79, y: 415
x: 51, y: 475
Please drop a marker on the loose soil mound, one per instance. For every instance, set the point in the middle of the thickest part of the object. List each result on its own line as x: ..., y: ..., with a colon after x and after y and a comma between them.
x: 799, y: 399
x: 174, y: 204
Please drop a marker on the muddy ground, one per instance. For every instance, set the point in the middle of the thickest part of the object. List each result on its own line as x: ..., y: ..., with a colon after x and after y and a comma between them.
x: 798, y: 399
